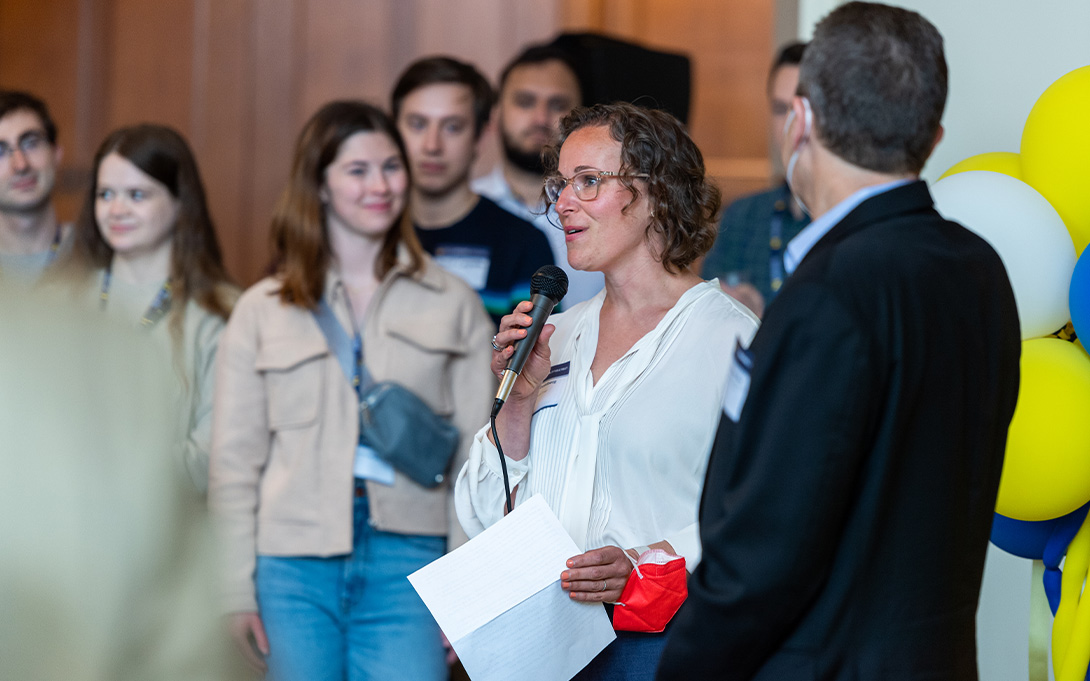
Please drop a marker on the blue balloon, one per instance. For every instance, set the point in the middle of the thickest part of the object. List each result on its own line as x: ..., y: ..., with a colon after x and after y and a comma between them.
x: 1023, y: 538
x: 1078, y: 297
x: 1044, y: 540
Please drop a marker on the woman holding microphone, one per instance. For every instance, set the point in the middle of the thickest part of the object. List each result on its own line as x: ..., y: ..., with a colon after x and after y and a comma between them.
x: 614, y: 413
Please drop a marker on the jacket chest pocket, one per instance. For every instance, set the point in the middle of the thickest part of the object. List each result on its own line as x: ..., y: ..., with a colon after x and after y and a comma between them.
x: 293, y: 372
x: 424, y: 352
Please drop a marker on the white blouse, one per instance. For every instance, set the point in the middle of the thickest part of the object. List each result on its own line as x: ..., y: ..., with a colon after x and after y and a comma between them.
x: 621, y: 462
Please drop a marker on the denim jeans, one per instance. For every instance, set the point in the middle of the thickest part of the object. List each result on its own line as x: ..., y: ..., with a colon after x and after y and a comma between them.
x: 354, y: 617
x: 634, y: 656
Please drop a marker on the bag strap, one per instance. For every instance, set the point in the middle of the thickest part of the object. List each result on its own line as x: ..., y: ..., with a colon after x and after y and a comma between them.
x: 349, y: 351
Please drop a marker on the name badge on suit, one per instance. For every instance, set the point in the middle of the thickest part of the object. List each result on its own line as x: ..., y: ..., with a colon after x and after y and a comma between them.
x: 734, y: 397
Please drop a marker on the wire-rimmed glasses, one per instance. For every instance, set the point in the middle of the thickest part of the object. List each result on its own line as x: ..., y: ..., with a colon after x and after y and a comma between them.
x: 584, y: 184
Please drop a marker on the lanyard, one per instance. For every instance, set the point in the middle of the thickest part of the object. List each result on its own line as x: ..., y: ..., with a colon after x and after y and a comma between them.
x: 780, y: 212
x: 54, y: 247
x: 357, y: 349
x: 158, y: 309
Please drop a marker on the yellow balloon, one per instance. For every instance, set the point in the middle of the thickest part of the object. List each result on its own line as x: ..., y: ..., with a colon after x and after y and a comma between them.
x: 1071, y: 628
x: 1005, y: 162
x: 1046, y: 471
x: 1056, y: 151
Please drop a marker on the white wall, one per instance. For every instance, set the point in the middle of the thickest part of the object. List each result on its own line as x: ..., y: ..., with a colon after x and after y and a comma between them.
x: 1002, y: 55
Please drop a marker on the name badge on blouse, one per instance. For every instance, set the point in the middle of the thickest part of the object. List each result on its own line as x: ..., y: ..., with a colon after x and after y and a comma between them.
x: 734, y: 397
x: 553, y: 386
x: 468, y: 263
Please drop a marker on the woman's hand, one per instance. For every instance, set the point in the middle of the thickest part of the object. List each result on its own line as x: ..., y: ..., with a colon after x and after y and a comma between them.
x: 247, y: 631
x: 597, y: 576
x: 512, y: 330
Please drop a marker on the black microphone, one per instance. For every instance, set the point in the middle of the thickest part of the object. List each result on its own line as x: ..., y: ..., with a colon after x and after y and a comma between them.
x: 547, y: 287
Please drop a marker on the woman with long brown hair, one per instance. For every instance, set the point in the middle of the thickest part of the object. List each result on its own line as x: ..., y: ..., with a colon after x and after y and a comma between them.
x: 321, y: 531
x: 146, y: 249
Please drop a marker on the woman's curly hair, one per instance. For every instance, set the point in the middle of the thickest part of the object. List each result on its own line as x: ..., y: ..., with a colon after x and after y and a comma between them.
x: 684, y: 202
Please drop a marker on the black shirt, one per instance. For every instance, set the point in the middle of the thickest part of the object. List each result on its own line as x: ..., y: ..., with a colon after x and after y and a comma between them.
x: 494, y: 251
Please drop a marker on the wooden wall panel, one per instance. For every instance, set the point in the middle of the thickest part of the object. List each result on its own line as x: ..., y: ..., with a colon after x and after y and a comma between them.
x: 526, y: 22
x: 346, y: 51
x: 276, y: 32
x: 730, y: 44
x: 39, y: 53
x: 149, y: 62
x: 223, y: 116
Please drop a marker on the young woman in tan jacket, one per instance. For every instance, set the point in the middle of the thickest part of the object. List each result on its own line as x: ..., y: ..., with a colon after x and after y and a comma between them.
x: 320, y: 533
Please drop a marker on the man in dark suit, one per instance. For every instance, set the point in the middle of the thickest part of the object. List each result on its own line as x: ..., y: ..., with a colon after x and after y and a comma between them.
x: 849, y: 497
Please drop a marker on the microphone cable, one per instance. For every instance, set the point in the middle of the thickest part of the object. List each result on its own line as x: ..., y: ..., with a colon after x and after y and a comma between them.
x: 503, y: 463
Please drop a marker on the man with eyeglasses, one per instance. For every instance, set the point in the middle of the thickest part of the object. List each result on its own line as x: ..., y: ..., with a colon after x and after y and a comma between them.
x: 31, y: 239
x: 537, y: 89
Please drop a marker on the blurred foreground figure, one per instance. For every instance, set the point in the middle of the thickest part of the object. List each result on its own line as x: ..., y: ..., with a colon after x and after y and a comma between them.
x: 105, y: 567
x: 849, y: 496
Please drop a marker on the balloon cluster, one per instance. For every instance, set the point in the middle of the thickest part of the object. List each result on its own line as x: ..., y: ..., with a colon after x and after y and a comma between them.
x: 1034, y: 209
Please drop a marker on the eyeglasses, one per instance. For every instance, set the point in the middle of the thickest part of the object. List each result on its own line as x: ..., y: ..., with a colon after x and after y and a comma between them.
x: 584, y: 184
x: 28, y: 144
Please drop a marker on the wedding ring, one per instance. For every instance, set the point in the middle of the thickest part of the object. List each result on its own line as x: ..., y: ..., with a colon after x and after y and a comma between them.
x: 603, y: 585
x: 494, y: 346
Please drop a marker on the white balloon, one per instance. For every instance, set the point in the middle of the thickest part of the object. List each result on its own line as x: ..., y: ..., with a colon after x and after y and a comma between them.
x: 1026, y: 232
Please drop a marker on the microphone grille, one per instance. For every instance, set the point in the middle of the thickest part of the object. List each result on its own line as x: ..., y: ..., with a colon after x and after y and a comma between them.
x: 551, y: 281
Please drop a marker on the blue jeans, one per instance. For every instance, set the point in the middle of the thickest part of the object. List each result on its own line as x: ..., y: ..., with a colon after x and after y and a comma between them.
x: 354, y: 617
x: 634, y: 656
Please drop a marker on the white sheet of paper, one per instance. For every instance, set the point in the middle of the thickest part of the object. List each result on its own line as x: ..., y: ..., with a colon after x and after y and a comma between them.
x: 499, y: 601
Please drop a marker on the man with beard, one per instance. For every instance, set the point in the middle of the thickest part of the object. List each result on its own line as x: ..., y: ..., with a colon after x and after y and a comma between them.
x: 441, y: 106
x: 537, y: 89
x: 30, y: 237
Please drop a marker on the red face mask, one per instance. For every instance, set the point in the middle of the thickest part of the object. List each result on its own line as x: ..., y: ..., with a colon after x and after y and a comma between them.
x: 655, y: 590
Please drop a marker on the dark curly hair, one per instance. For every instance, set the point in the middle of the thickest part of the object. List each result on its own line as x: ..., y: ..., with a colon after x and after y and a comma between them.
x: 684, y: 202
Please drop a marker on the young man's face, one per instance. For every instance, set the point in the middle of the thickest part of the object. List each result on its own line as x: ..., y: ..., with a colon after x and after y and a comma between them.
x: 781, y: 91
x: 437, y: 124
x: 28, y: 162
x: 534, y: 99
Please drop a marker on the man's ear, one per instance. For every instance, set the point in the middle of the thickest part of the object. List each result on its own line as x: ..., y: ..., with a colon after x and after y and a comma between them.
x: 794, y: 127
x: 58, y: 154
x: 938, y: 138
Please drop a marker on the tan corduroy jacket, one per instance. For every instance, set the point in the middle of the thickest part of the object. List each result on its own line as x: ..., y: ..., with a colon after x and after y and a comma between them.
x: 285, y: 421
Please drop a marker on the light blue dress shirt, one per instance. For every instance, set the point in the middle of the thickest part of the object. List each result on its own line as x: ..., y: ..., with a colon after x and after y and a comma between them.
x: 808, y: 237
